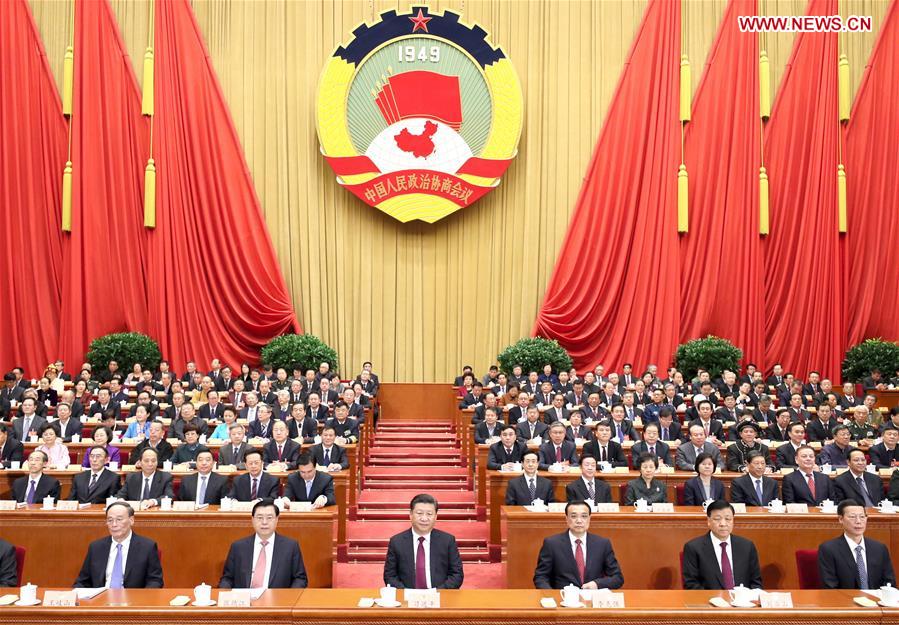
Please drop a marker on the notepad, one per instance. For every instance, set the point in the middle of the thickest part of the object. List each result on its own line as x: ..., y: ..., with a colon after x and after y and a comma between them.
x: 180, y: 600
x: 8, y: 599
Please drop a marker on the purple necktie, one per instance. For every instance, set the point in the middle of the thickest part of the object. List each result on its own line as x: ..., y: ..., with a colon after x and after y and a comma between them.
x: 726, y: 572
x: 30, y: 498
x: 421, y: 579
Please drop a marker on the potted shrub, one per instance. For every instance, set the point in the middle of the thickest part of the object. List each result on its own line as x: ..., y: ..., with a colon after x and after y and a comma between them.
x: 868, y: 355
x: 303, y: 350
x: 713, y: 354
x: 126, y: 348
x: 532, y: 354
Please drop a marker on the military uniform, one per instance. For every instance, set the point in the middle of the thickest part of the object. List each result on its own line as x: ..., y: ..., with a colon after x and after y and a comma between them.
x: 862, y: 432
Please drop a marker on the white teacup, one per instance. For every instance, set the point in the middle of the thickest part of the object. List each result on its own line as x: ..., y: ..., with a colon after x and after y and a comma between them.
x: 775, y: 505
x: 113, y: 466
x: 15, y: 465
x: 32, y: 438
x: 516, y: 466
x: 48, y: 503
x: 76, y: 438
x: 165, y: 503
x: 388, y: 594
x: 167, y: 465
x: 885, y: 506
x: 741, y: 595
x: 28, y: 593
x: 889, y: 594
x: 226, y: 504
x: 641, y: 505
x: 571, y: 595
x: 202, y: 593
x: 828, y: 506
x: 826, y: 468
x: 316, y: 439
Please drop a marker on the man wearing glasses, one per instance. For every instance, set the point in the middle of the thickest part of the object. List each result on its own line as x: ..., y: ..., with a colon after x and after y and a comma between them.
x: 852, y: 561
x: 98, y: 483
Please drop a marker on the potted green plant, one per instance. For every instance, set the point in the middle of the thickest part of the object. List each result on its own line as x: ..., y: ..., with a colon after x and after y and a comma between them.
x: 712, y: 354
x: 869, y: 355
x: 126, y: 348
x: 532, y: 354
x: 303, y: 351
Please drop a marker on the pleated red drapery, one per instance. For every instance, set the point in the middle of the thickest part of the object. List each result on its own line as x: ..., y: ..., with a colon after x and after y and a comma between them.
x: 805, y: 274
x: 872, y: 164
x: 613, y: 296
x: 216, y: 288
x: 722, y: 287
x: 104, y: 273
x: 32, y: 157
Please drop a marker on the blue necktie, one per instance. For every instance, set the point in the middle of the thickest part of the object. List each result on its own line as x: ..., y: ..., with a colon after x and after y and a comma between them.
x: 308, y: 489
x: 30, y: 498
x: 201, y: 496
x: 117, y: 577
x: 860, y: 565
x: 758, y: 492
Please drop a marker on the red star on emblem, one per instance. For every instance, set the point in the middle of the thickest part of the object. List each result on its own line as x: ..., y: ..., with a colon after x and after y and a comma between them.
x: 420, y: 21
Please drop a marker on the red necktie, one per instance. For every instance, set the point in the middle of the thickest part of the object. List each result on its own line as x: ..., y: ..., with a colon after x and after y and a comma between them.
x: 579, y: 560
x: 726, y: 572
x: 558, y: 454
x: 421, y: 578
x: 811, y: 484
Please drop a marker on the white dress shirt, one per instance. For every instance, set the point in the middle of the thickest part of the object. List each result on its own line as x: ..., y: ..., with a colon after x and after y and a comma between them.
x: 427, y: 537
x: 126, y: 543
x: 852, y: 545
x: 573, y: 538
x: 269, y: 555
x: 716, y: 545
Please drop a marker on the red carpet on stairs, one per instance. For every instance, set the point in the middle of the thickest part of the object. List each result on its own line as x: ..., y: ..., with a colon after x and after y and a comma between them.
x: 406, y: 458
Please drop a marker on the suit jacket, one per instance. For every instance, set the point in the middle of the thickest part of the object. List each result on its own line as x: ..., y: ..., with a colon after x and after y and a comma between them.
x: 46, y: 487
x: 481, y: 433
x: 837, y: 568
x: 845, y: 487
x: 661, y: 448
x: 547, y: 454
x: 320, y: 414
x: 615, y: 452
x: 796, y: 490
x: 337, y: 455
x: 834, y: 456
x: 552, y: 415
x: 165, y: 449
x: 287, y: 570
x: 701, y: 570
x: 322, y: 484
x: 893, y: 488
x: 577, y: 491
x: 497, y: 455
x: 70, y: 429
x: 268, y: 487
x: 742, y: 490
x: 785, y: 456
x: 716, y: 428
x: 694, y: 493
x: 227, y: 455
x: 308, y: 430
x: 817, y: 431
x: 107, y: 486
x: 882, y: 457
x: 289, y: 454
x: 36, y: 423
x: 12, y: 451
x: 12, y: 394
x: 518, y: 493
x: 216, y: 488
x: 9, y: 576
x: 583, y: 432
x: 349, y: 430
x: 160, y: 486
x: 774, y: 433
x: 627, y: 430
x: 446, y: 564
x: 685, y: 457
x: 142, y: 567
x: 556, y: 567
x: 256, y: 430
x: 524, y: 429
x: 206, y: 412
x: 97, y: 409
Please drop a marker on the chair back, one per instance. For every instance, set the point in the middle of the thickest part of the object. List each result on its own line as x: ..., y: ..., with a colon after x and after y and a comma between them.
x: 807, y: 568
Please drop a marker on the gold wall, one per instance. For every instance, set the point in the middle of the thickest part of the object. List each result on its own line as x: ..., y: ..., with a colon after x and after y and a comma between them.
x: 420, y: 300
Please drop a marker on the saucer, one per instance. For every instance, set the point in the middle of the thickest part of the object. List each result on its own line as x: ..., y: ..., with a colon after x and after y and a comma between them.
x: 750, y: 604
x: 387, y: 604
x: 884, y: 604
x: 571, y: 605
x: 893, y: 511
x: 27, y: 603
x: 203, y: 604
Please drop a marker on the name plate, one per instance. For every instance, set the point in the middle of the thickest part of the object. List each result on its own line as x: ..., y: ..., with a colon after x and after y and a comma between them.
x: 886, y: 472
x: 776, y: 600
x: 663, y: 507
x: 226, y: 468
x: 556, y: 506
x: 60, y: 598
x: 666, y: 469
x: 73, y: 467
x: 786, y: 470
x: 7, y: 505
x: 234, y: 598
x: 422, y: 598
x: 796, y: 508
x: 608, y: 599
x: 183, y: 506
x: 739, y: 508
x: 242, y: 506
x: 620, y: 470
x: 300, y: 506
x: 607, y: 507
x: 67, y: 504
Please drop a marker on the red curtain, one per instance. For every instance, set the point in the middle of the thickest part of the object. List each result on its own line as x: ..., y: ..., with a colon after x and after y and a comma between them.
x: 32, y: 154
x: 804, y: 270
x: 873, y: 196
x: 608, y: 299
x: 104, y: 274
x: 721, y: 282
x: 216, y: 288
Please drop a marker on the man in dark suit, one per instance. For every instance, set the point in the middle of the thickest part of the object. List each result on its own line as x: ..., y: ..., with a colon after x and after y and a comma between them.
x: 98, y: 483
x: 28, y: 422
x: 712, y: 427
x: 254, y: 484
x: 315, y: 408
x: 147, y: 485
x: 720, y: 560
x: 8, y: 570
x: 856, y: 483
x: 204, y: 486
x: 308, y: 484
x: 156, y: 441
x: 557, y: 411
x: 821, y: 427
x: 247, y: 564
x: 523, y: 490
x: 805, y: 484
x: 262, y: 426
x: 11, y: 392
x: 329, y: 455
x: 489, y: 428
x: 506, y: 452
x: 232, y: 452
x: 347, y: 429
x: 11, y: 450
x: 135, y: 559
x: 786, y: 454
x: 32, y: 488
x: 281, y: 453
x: 66, y: 425
x: 885, y: 454
x: 302, y: 425
x: 588, y: 487
x: 651, y: 445
x: 531, y: 427
x: 408, y: 552
x: 576, y: 429
x: 558, y: 450
x: 754, y: 488
x: 562, y: 560
x: 852, y: 561
x: 603, y: 449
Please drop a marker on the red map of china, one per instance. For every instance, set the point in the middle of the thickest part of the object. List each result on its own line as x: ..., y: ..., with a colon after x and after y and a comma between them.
x: 419, y: 145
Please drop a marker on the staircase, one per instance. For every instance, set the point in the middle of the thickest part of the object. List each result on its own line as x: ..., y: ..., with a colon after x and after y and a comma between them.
x: 405, y: 458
